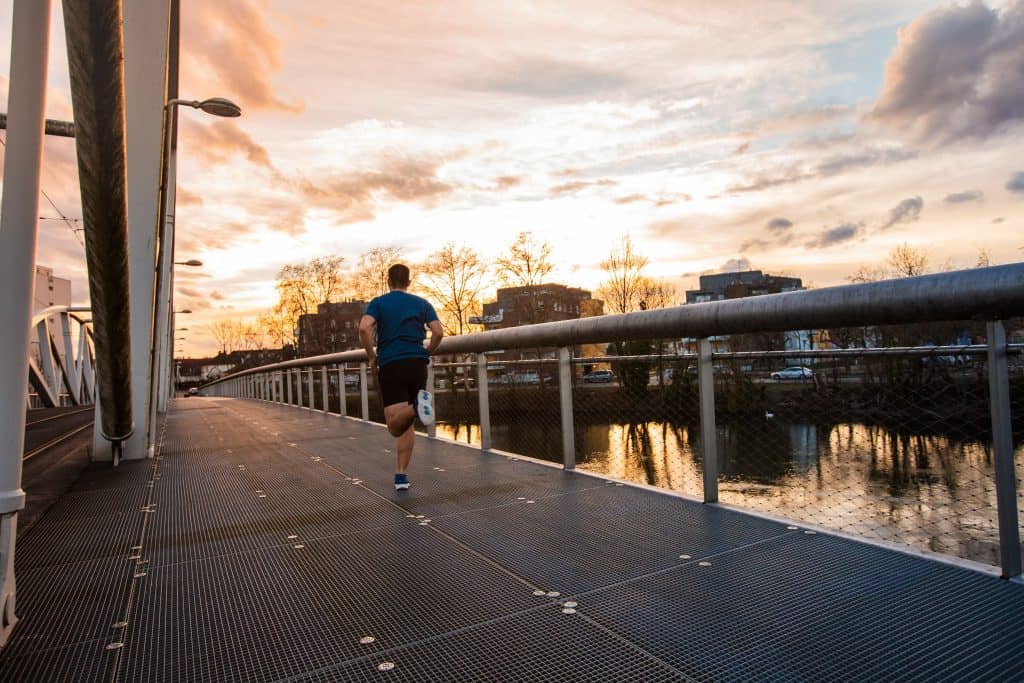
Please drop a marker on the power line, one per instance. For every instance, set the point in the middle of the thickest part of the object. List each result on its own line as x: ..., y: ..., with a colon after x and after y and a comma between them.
x: 67, y: 221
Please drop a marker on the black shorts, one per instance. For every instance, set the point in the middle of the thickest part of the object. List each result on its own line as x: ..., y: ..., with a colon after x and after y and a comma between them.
x: 401, y: 380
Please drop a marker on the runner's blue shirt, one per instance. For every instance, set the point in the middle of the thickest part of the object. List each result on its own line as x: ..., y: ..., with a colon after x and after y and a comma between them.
x: 401, y: 321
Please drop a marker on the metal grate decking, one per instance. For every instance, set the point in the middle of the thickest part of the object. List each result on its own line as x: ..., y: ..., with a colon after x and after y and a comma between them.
x: 267, y: 543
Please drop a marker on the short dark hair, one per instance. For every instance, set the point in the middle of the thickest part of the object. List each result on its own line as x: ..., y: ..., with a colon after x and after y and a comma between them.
x: 398, y: 275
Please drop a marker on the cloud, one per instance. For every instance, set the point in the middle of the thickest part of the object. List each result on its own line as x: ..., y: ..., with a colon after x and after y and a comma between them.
x: 575, y: 186
x: 216, y: 296
x: 907, y: 211
x: 548, y: 78
x: 998, y: 219
x: 630, y: 199
x: 219, y: 141
x: 228, y: 48
x: 506, y: 182
x: 353, y: 197
x: 735, y: 265
x: 956, y: 73
x: 964, y: 197
x: 1016, y: 182
x: 657, y: 202
x: 835, y: 165
x: 778, y: 234
x: 833, y: 236
x: 184, y: 197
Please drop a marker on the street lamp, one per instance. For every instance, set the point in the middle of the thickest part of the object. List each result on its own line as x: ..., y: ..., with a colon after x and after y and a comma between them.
x: 191, y: 262
x: 159, y: 373
x: 181, y: 329
x: 218, y: 106
x: 184, y: 310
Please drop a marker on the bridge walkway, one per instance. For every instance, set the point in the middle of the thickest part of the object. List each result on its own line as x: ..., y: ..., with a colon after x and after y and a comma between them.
x: 266, y: 542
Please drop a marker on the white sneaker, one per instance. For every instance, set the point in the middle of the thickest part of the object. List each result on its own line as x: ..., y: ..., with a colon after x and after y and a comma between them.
x: 425, y: 407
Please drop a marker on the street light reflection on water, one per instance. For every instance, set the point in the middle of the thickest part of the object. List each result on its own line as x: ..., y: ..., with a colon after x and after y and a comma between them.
x: 929, y: 491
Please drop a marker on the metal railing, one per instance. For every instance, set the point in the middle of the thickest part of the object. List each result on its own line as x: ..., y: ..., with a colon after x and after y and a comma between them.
x: 712, y: 404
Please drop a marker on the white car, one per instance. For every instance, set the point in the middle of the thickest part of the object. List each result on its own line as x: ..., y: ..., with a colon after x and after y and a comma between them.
x: 793, y: 372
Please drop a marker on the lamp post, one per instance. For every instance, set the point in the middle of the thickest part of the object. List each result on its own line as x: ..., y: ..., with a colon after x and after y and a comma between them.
x: 191, y: 262
x: 160, y: 360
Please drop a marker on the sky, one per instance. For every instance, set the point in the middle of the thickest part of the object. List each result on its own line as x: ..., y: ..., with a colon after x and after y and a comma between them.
x: 800, y: 138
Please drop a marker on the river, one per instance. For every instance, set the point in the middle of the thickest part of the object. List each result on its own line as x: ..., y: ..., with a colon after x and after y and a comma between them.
x: 928, y: 491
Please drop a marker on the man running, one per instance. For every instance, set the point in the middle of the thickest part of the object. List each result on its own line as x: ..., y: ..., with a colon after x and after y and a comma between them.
x: 400, y: 361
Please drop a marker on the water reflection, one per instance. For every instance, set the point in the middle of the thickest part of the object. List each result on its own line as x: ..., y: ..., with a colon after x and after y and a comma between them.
x: 931, y: 492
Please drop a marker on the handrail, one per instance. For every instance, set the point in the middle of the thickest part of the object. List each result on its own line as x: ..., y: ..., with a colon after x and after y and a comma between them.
x: 991, y: 293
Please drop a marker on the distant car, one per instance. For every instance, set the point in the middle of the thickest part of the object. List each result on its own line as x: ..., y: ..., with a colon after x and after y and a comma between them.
x: 599, y: 377
x: 465, y: 383
x: 793, y: 372
x: 351, y: 379
x: 528, y: 377
x: 193, y: 391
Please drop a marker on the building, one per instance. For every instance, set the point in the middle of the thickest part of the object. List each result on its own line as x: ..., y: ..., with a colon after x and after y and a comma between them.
x: 721, y: 286
x: 516, y: 306
x: 333, y: 328
x: 742, y: 284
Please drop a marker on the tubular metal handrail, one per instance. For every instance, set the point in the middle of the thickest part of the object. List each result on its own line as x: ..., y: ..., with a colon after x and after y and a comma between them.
x: 994, y: 293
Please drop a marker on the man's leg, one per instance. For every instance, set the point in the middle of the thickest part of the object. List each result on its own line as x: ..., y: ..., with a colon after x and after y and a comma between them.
x: 403, y: 450
x: 399, y: 418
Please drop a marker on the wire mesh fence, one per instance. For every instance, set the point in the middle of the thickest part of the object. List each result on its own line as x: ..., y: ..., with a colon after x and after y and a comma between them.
x: 892, y: 444
x: 864, y: 434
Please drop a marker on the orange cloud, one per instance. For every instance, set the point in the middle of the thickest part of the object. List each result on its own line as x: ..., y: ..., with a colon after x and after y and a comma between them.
x: 228, y: 49
x: 219, y: 141
x: 354, y: 196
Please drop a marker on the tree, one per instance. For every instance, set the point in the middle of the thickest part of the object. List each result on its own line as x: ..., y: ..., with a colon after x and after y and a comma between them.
x: 527, y: 264
x: 301, y: 287
x: 370, y: 276
x: 624, y: 278
x: 228, y: 333
x: 906, y: 261
x: 276, y: 325
x: 454, y: 277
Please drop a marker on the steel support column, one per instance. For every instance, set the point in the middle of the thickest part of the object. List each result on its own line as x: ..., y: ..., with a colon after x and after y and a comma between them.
x: 146, y: 29
x: 30, y: 40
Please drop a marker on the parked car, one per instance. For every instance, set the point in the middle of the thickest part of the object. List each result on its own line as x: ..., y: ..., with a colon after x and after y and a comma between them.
x: 465, y: 383
x: 599, y: 377
x: 528, y: 377
x: 793, y: 372
x: 192, y: 391
x: 351, y: 379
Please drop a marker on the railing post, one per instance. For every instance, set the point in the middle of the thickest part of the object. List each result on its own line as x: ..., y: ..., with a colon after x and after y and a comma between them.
x: 485, y: 404
x: 323, y: 386
x: 364, y: 392
x: 432, y: 427
x: 298, y: 387
x: 1002, y: 447
x: 565, y: 399
x: 286, y: 379
x: 708, y: 431
x: 312, y: 392
x: 342, y: 397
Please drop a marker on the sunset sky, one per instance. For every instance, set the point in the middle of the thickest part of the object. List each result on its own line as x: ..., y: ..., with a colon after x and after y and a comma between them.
x: 805, y: 138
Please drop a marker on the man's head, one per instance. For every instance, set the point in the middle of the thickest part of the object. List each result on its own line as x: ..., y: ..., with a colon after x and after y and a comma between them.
x: 398, y: 276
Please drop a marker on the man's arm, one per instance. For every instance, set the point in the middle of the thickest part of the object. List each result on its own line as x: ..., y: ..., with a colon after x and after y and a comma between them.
x: 367, y: 327
x: 436, y: 334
